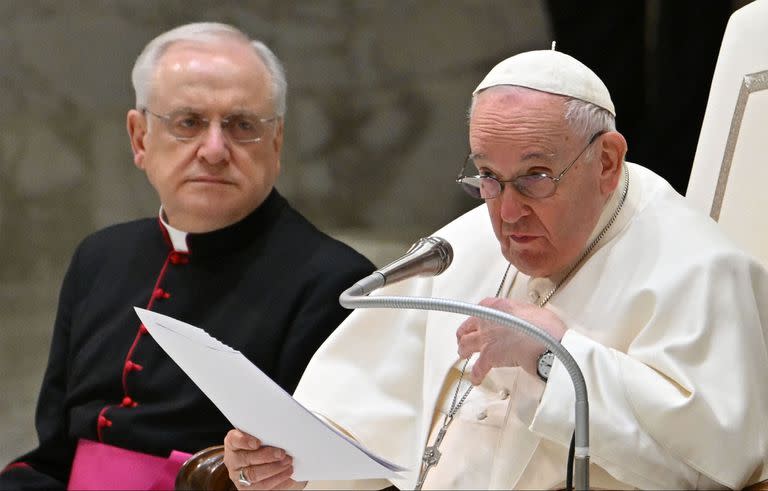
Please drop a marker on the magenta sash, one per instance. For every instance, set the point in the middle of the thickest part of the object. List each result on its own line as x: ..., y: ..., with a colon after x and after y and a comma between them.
x: 101, y: 466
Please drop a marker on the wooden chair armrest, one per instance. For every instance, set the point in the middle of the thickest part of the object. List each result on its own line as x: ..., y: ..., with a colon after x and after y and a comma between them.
x: 758, y: 486
x: 205, y: 470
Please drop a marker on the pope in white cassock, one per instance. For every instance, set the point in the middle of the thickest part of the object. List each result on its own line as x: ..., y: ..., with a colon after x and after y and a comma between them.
x: 666, y: 318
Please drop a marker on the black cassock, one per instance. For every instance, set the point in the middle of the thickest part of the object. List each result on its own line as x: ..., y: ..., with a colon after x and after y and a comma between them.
x: 267, y: 286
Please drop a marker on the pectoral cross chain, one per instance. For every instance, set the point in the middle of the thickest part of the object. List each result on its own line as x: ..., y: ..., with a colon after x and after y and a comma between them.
x: 432, y: 453
x: 431, y: 456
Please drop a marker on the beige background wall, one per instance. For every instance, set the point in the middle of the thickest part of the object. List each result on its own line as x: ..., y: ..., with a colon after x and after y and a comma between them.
x: 375, y: 132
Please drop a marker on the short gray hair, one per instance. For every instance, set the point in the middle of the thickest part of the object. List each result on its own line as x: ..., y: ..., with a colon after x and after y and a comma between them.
x: 204, y: 32
x: 584, y: 118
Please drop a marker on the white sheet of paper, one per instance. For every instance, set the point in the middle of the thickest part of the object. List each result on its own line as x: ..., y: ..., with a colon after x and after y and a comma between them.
x: 253, y: 403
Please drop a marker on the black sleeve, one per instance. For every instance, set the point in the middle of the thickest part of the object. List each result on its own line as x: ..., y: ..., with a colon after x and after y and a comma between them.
x: 319, y: 311
x: 48, y: 466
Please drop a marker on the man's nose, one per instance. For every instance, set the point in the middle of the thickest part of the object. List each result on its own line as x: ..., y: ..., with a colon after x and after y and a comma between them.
x: 512, y: 206
x: 214, y: 147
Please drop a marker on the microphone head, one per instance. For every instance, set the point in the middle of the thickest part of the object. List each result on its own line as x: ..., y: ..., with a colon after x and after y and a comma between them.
x: 438, y: 248
x: 429, y: 256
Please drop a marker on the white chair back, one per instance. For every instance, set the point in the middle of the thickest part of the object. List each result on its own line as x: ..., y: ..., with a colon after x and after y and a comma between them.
x: 729, y: 178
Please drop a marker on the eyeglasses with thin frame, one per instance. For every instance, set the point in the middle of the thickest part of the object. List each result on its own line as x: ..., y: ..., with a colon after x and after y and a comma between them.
x: 538, y: 185
x: 187, y: 125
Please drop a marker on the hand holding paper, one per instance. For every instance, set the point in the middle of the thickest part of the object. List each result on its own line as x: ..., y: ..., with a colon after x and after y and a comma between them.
x: 256, y: 405
x: 248, y: 461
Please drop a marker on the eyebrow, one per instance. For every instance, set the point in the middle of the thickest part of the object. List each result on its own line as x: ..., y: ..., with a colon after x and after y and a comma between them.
x: 524, y: 158
x: 238, y: 111
x: 185, y: 109
x: 537, y: 158
x: 528, y: 156
x: 243, y: 111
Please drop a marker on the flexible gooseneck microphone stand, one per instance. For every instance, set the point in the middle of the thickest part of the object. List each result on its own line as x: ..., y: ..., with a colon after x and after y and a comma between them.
x: 356, y: 296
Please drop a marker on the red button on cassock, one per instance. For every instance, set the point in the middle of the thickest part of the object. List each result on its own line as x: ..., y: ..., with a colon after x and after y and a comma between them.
x: 132, y: 367
x: 160, y: 293
x: 179, y: 258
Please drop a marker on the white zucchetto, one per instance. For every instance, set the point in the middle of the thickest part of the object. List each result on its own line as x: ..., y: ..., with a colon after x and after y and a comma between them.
x: 550, y: 71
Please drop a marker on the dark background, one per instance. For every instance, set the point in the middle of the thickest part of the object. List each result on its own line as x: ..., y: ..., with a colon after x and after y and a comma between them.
x: 657, y: 59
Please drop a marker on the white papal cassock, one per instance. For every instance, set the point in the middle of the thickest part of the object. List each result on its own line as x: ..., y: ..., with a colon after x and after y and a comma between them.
x: 667, y: 319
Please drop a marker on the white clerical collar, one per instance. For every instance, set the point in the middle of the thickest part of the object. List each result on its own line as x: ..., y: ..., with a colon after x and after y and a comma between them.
x: 178, y: 237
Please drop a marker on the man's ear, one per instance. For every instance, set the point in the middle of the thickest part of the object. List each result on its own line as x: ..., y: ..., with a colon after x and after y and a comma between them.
x: 277, y: 141
x: 136, y: 124
x: 613, y: 148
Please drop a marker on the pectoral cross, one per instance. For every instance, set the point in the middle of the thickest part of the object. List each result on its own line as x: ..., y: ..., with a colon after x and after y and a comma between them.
x: 432, y: 453
x: 431, y: 457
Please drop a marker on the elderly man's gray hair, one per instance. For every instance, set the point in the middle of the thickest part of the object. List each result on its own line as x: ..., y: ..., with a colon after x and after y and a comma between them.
x: 204, y: 32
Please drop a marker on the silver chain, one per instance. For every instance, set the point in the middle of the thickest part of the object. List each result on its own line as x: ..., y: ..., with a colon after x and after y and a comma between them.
x: 432, y: 453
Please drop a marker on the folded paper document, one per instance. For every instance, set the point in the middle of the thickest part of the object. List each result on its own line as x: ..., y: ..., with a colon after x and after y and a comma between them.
x: 253, y: 403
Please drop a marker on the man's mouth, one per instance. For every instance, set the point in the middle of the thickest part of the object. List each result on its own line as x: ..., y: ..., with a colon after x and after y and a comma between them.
x: 522, y: 239
x: 209, y: 180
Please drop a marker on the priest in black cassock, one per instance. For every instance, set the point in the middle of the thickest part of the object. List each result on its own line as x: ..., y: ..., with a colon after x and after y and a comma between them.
x: 227, y: 253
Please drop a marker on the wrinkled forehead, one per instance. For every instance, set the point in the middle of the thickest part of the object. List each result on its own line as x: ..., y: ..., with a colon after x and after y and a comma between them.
x: 520, y: 117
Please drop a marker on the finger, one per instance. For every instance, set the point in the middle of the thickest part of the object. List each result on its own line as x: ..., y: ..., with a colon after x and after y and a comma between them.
x: 490, y: 302
x: 504, y: 304
x: 480, y: 369
x: 466, y: 348
x: 264, y: 472
x: 471, y: 343
x: 237, y: 445
x: 239, y: 440
x: 264, y: 455
x: 237, y: 459
x: 467, y: 327
x: 281, y: 480
x: 234, y: 476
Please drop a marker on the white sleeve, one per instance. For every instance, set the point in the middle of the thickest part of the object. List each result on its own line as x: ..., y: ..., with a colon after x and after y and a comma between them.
x: 616, y: 437
x: 675, y: 377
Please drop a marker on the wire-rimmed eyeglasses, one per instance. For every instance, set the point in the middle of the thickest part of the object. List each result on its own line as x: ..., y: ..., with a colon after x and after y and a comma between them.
x: 187, y: 125
x: 537, y: 185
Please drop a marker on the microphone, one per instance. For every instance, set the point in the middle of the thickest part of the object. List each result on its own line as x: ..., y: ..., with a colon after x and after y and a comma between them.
x: 428, y: 256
